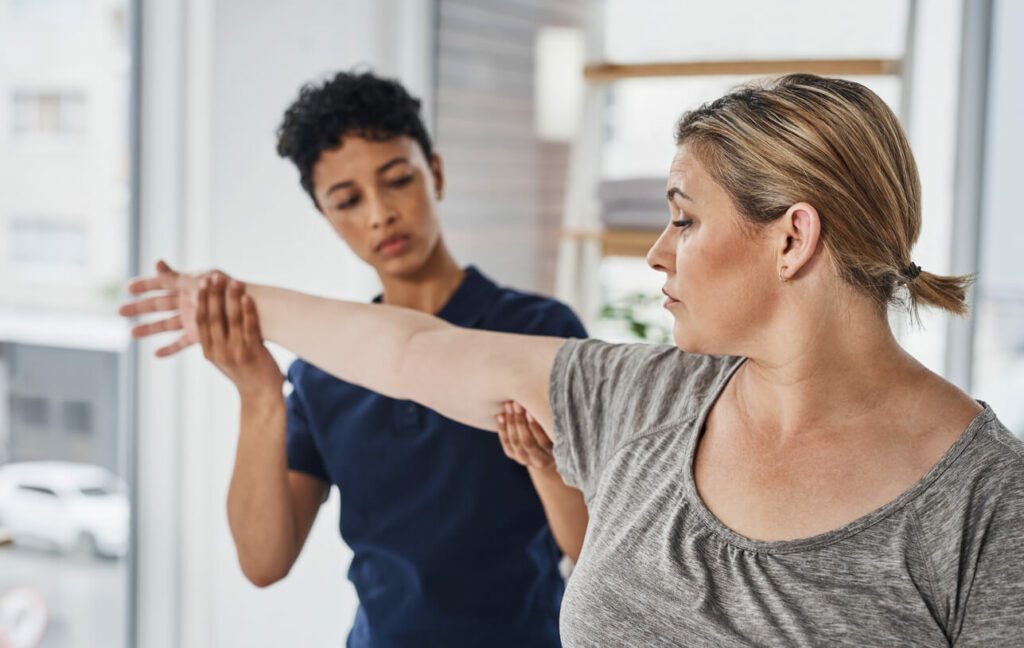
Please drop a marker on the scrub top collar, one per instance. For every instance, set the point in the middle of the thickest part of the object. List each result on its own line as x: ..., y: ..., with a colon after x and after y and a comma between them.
x: 470, y: 301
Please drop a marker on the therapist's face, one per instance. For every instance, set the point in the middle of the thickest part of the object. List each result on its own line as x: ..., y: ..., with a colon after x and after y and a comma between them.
x: 381, y: 198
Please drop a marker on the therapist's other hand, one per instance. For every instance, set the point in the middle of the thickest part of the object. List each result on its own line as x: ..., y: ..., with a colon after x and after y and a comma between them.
x: 228, y: 328
x: 171, y: 292
x: 523, y: 439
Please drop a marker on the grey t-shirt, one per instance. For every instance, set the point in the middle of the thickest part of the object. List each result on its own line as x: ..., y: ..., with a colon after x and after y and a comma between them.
x: 940, y: 565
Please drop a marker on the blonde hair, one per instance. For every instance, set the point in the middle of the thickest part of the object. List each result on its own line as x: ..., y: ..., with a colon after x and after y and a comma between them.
x: 836, y: 145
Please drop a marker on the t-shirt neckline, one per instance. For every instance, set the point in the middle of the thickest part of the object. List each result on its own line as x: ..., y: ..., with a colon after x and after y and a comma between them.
x: 827, y: 537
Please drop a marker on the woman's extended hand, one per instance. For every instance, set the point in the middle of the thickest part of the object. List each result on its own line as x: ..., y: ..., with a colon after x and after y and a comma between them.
x: 178, y: 294
x: 523, y: 439
x: 228, y: 328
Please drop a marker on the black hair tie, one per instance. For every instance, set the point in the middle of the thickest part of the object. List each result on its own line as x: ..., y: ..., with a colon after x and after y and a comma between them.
x: 912, y: 271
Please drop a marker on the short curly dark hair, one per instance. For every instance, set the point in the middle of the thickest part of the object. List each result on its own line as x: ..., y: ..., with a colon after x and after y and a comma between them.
x: 357, y: 103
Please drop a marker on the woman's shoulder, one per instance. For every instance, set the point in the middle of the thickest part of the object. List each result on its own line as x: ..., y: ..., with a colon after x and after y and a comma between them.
x: 666, y: 361
x: 999, y: 455
x: 980, y: 480
x: 644, y: 382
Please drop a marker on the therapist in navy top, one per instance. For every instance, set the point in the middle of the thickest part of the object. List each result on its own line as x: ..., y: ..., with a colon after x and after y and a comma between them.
x: 451, y: 545
x: 454, y: 544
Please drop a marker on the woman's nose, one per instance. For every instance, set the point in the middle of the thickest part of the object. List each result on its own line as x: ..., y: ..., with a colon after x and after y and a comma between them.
x: 660, y: 257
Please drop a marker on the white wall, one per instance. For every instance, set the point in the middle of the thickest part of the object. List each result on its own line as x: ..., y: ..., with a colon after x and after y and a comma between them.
x: 242, y: 209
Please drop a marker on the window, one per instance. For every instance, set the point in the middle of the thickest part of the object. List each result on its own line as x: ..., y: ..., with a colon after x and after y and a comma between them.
x: 42, y: 243
x: 77, y: 417
x: 67, y: 102
x: 31, y: 411
x: 48, y: 113
x: 999, y: 292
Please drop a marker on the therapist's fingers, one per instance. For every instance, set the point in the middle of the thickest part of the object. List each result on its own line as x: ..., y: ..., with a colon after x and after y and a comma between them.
x: 514, y: 434
x: 203, y: 320
x: 524, y: 439
x: 233, y: 316
x: 215, y: 312
x: 250, y: 323
x: 539, y: 434
x: 504, y: 438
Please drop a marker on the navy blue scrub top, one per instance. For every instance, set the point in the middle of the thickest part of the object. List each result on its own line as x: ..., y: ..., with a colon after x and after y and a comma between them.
x: 451, y: 546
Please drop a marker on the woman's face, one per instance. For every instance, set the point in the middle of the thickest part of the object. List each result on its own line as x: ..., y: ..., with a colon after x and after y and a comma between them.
x: 721, y: 279
x: 381, y: 198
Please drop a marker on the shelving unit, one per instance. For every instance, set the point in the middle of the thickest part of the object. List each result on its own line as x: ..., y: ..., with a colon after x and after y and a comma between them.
x: 611, y: 72
x: 617, y: 242
x: 584, y: 241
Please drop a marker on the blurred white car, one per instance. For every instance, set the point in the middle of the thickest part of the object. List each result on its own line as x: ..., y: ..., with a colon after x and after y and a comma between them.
x: 68, y: 506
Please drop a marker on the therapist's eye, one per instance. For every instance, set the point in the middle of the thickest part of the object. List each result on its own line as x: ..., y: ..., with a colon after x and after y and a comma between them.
x: 683, y: 223
x: 347, y: 204
x: 398, y: 183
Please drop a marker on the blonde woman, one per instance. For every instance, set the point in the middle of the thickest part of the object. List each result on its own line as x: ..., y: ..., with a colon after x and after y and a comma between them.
x: 784, y: 475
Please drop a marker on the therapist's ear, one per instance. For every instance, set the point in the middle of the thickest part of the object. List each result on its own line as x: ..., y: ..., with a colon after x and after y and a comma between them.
x: 437, y: 170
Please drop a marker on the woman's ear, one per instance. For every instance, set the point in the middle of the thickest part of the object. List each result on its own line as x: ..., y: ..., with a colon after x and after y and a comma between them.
x: 798, y: 234
x: 437, y: 168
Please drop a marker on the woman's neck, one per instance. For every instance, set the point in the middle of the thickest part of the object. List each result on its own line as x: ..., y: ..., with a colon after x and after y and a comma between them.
x: 826, y: 374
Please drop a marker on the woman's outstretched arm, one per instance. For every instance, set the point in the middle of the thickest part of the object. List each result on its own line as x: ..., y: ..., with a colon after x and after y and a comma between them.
x: 465, y: 374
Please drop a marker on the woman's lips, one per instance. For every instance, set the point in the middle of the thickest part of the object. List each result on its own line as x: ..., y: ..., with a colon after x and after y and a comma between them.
x: 393, y: 246
x: 670, y: 299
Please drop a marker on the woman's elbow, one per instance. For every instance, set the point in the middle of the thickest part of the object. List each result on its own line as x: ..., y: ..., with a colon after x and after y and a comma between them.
x: 262, y: 578
x: 263, y: 574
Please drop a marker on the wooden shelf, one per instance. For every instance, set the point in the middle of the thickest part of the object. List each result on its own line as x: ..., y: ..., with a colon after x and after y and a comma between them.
x: 631, y: 242
x: 609, y: 72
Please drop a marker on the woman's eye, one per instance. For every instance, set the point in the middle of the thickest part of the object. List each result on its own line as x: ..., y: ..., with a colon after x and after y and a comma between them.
x: 401, y: 182
x: 348, y: 204
x: 682, y: 223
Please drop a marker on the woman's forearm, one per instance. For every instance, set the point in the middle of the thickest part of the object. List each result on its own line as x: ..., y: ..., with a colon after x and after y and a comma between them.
x: 465, y: 374
x: 360, y: 343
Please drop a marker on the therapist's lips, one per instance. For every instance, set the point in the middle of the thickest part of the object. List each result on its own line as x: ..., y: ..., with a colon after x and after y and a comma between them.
x: 393, y: 246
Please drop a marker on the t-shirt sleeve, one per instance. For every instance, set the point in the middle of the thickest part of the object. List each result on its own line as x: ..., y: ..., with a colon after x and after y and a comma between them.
x: 301, y: 448
x: 994, y: 611
x: 605, y: 395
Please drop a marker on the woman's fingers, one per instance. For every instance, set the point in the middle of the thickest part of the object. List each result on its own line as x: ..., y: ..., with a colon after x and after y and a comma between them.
x: 174, y: 347
x: 165, y: 279
x: 164, y: 269
x: 152, y: 328
x: 159, y: 303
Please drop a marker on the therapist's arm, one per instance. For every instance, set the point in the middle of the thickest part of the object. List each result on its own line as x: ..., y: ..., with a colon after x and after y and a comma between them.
x: 465, y: 374
x: 525, y: 442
